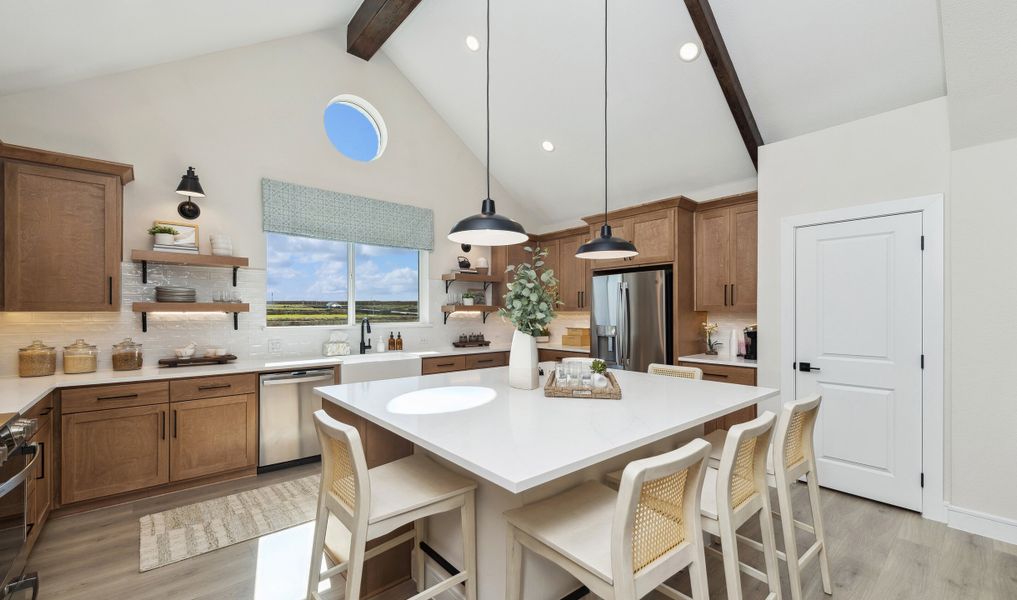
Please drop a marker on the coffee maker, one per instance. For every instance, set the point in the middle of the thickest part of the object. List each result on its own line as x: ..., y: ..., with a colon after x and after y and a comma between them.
x: 750, y: 342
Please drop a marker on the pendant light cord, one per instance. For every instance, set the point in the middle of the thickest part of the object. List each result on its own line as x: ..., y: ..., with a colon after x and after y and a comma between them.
x: 605, y: 112
x: 488, y: 99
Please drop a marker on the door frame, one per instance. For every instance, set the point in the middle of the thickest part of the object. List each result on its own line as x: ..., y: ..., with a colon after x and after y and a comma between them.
x: 933, y: 324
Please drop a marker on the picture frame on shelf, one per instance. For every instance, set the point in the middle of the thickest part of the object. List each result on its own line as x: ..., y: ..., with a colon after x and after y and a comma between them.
x: 188, y: 236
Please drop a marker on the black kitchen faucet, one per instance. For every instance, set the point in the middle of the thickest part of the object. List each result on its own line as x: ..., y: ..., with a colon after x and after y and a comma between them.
x: 365, y: 345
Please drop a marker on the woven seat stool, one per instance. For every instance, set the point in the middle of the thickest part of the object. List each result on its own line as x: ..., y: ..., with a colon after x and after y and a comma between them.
x: 356, y: 505
x: 621, y: 545
x: 734, y: 494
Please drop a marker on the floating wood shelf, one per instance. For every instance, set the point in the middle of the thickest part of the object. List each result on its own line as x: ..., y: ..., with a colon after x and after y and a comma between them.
x: 485, y: 278
x: 227, y: 307
x: 484, y: 309
x: 183, y: 258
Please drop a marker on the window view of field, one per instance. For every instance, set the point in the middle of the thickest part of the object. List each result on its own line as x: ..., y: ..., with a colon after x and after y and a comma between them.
x: 308, y: 282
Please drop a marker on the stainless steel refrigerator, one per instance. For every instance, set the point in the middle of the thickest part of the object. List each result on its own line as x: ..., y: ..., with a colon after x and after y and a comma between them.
x: 630, y: 318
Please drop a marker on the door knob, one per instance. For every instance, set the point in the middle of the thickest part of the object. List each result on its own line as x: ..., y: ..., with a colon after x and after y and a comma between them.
x: 805, y: 367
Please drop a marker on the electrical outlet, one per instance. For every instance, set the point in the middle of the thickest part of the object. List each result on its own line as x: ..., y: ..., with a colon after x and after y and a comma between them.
x: 275, y: 346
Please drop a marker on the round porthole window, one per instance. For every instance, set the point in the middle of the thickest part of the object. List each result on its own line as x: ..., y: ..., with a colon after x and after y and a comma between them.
x: 355, y: 128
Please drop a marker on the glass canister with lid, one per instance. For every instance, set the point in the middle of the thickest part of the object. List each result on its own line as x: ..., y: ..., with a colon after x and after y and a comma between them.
x: 80, y: 357
x: 36, y: 360
x: 127, y: 355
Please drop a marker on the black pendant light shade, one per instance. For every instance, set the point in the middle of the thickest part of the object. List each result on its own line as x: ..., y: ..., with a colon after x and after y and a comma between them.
x: 190, y: 187
x: 488, y: 228
x: 606, y: 247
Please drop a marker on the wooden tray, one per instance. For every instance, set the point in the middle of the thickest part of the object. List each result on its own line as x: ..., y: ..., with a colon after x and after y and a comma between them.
x: 195, y: 361
x: 471, y: 344
x: 611, y: 392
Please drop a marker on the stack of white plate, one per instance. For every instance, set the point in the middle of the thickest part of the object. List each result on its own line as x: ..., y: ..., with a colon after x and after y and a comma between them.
x: 222, y: 245
x: 166, y: 293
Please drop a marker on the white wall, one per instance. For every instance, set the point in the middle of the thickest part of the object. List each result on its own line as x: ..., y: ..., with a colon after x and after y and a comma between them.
x: 238, y: 116
x: 983, y: 191
x: 901, y: 154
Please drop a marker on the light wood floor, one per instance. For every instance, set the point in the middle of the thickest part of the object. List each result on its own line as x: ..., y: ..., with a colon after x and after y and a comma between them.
x: 876, y: 553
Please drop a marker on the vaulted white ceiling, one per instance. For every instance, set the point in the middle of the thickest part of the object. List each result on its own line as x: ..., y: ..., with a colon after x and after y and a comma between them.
x: 804, y: 65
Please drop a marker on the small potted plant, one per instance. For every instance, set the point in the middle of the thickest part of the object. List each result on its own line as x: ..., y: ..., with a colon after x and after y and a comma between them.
x: 543, y: 336
x: 599, y: 369
x: 711, y: 344
x: 163, y: 234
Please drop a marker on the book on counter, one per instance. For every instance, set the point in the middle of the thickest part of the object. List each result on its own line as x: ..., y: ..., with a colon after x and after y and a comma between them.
x: 190, y: 249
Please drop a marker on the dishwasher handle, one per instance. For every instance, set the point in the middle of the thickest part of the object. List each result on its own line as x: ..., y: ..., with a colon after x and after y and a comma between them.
x: 297, y: 377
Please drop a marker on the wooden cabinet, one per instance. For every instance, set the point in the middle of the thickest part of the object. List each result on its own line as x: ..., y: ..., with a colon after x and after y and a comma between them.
x: 213, y: 435
x: 727, y: 374
x: 39, y: 487
x: 573, y: 274
x: 62, y: 238
x: 653, y: 233
x: 726, y: 258
x: 213, y: 387
x: 442, y: 364
x: 486, y: 361
x: 544, y: 355
x: 104, y: 397
x: 107, y: 452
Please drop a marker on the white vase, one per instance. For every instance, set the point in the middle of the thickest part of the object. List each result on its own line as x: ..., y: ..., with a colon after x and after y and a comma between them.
x: 523, y: 374
x: 164, y: 238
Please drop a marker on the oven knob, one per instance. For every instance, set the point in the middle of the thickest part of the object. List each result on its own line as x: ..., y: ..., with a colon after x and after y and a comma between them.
x: 24, y: 428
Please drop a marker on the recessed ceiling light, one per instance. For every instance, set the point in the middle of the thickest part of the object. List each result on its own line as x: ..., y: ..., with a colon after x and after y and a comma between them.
x: 472, y: 43
x: 689, y: 51
x: 547, y: 146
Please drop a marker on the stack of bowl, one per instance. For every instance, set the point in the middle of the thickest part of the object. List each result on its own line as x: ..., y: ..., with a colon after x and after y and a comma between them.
x: 166, y: 293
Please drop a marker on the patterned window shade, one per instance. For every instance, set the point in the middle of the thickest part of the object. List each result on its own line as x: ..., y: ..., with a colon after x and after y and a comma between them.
x: 300, y: 210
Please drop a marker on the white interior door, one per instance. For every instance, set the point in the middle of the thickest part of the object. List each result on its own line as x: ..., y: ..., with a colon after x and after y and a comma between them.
x: 858, y: 326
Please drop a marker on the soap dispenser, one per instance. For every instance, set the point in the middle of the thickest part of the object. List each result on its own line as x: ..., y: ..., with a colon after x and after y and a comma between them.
x: 399, y: 341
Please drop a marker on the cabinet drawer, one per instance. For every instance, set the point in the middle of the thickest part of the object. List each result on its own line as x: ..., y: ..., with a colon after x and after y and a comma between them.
x: 103, y: 397
x: 544, y: 355
x: 485, y: 361
x: 724, y: 373
x: 41, y: 409
x: 443, y: 364
x: 212, y: 387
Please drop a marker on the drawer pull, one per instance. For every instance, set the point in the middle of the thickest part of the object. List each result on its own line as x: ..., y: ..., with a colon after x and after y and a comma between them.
x: 446, y: 364
x: 120, y: 397
x: 217, y: 386
x: 48, y: 410
x: 486, y: 360
x: 721, y: 375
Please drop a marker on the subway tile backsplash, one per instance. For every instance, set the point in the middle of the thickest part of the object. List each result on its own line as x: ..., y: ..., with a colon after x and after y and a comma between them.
x: 167, y: 331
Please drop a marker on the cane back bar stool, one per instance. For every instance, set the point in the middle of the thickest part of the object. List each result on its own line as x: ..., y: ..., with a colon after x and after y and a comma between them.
x: 792, y: 456
x: 737, y: 492
x: 620, y: 545
x: 356, y: 505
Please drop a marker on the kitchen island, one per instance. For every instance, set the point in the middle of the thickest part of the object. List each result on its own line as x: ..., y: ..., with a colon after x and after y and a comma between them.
x: 522, y: 447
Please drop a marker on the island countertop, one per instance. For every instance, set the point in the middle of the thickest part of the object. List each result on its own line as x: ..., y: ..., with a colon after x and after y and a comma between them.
x: 520, y: 439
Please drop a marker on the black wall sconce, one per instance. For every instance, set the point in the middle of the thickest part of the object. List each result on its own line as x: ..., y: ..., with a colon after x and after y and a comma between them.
x: 190, y: 187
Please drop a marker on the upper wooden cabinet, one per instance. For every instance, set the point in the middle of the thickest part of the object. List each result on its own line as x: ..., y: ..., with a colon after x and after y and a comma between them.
x: 726, y: 257
x: 62, y: 238
x: 573, y: 274
x: 651, y: 227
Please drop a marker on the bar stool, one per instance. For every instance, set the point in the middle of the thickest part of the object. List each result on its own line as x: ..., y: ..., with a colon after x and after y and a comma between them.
x: 613, y: 478
x: 621, y: 545
x: 675, y: 371
x: 794, y: 452
x: 737, y: 492
x: 356, y: 505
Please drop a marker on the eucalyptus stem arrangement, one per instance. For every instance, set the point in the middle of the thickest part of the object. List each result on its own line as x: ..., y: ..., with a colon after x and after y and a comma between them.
x: 532, y: 294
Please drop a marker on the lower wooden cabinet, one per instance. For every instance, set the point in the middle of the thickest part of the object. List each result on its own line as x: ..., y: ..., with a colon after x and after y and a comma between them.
x: 107, y: 452
x: 545, y: 355
x: 213, y: 435
x: 39, y: 486
x: 727, y: 374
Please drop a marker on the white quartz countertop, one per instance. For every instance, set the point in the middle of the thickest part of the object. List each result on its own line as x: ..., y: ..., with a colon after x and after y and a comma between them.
x: 520, y: 439
x: 719, y: 359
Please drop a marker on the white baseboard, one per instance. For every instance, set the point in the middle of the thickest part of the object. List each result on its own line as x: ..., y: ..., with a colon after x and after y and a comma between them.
x: 984, y: 524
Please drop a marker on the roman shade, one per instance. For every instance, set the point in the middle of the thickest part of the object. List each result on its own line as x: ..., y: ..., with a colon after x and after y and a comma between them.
x: 311, y: 212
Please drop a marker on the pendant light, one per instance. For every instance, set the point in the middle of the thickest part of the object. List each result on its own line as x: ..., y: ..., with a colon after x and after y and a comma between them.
x: 606, y: 246
x: 488, y: 228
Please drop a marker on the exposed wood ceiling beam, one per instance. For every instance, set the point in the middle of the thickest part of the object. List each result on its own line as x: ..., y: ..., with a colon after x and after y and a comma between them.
x: 727, y: 77
x: 374, y: 22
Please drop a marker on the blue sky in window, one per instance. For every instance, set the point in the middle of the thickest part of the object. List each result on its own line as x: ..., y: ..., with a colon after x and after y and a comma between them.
x: 302, y: 268
x: 351, y: 131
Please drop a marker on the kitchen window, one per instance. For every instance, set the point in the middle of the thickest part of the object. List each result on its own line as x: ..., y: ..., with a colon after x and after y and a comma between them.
x: 315, y: 281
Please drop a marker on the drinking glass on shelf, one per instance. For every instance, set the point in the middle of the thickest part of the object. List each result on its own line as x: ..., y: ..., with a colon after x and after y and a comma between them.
x: 560, y: 375
x: 218, y: 295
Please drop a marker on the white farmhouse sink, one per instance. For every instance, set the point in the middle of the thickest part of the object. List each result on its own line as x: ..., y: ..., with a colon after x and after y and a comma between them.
x: 373, y: 367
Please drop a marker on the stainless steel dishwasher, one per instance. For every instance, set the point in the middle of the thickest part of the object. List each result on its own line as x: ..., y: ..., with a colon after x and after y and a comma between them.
x: 285, y: 426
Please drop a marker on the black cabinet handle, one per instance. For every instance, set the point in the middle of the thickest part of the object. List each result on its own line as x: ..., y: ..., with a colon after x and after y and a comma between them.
x: 732, y: 295
x: 111, y: 290
x: 725, y: 294
x: 163, y: 413
x: 174, y: 423
x: 217, y: 386
x: 42, y: 461
x: 121, y: 397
